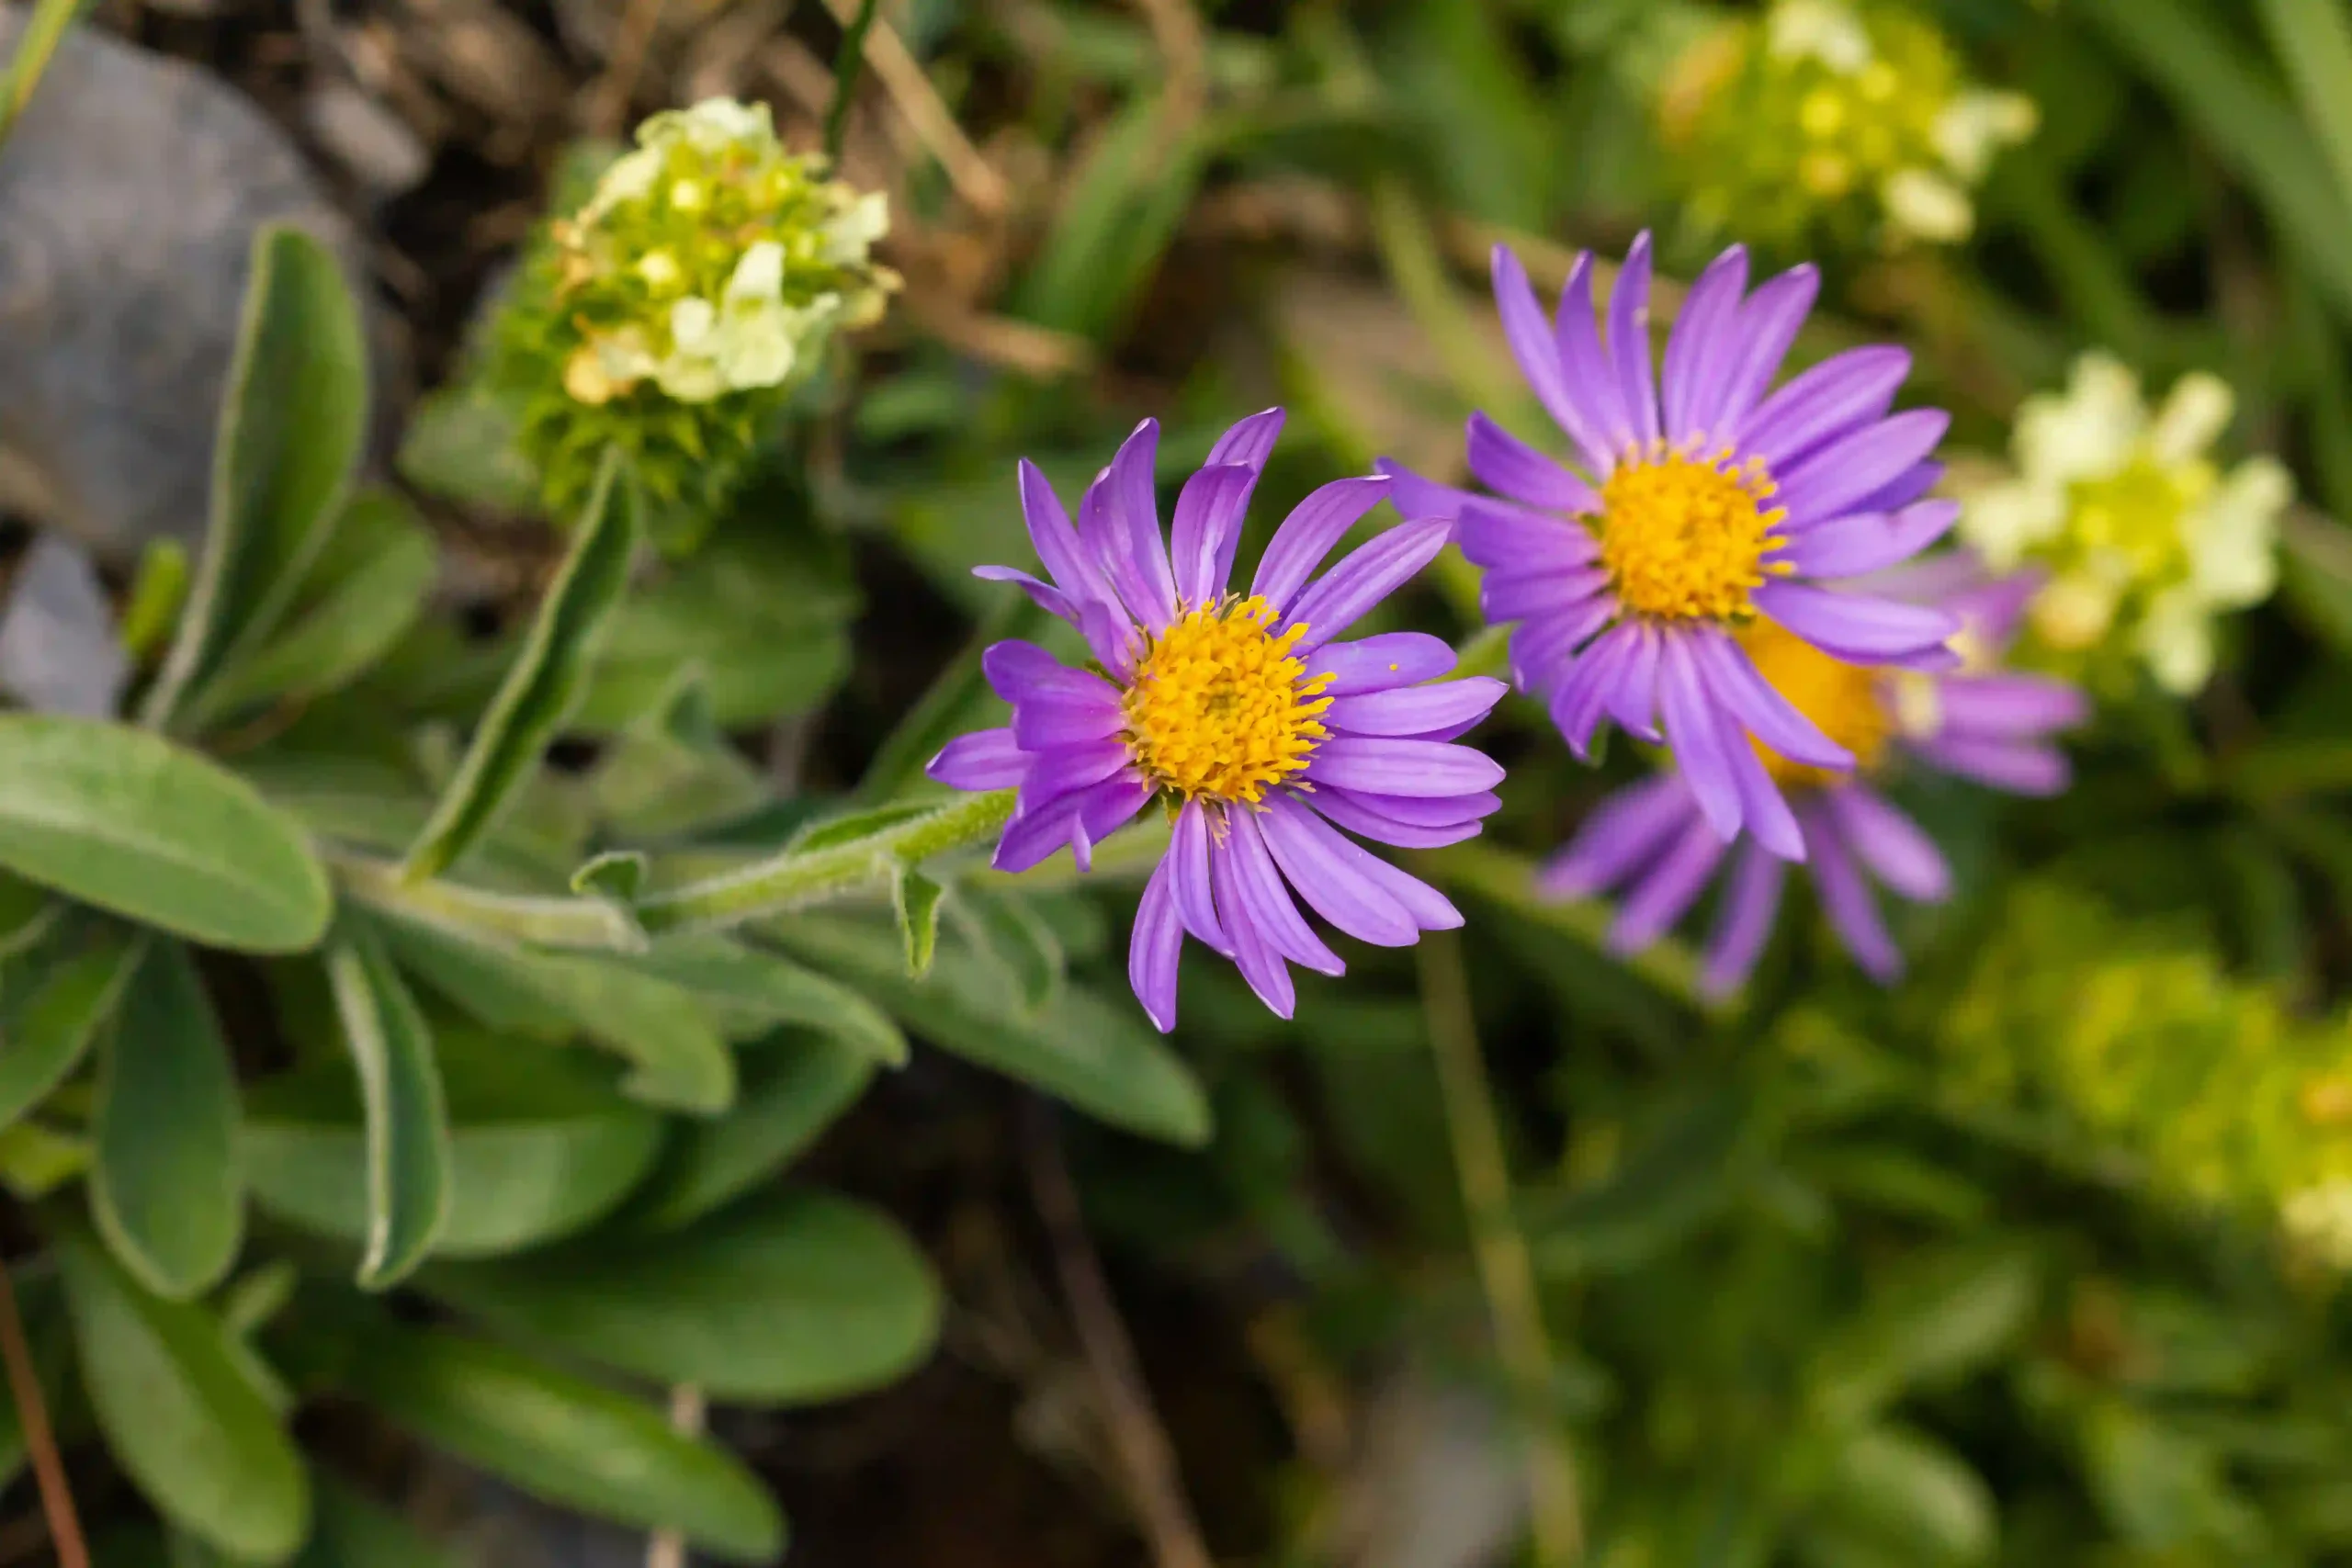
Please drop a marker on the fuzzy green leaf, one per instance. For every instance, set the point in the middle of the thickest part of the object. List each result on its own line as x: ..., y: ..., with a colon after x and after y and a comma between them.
x: 408, y: 1125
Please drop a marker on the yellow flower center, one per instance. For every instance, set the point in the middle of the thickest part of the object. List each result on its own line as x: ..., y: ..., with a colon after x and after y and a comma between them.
x: 1685, y: 538
x: 1221, y: 706
x: 1845, y: 701
x: 2136, y: 514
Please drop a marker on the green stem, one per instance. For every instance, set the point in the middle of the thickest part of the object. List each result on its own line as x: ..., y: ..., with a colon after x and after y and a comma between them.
x: 541, y: 922
x: 797, y: 878
x: 35, y: 48
x: 1505, y: 1272
x: 846, y: 66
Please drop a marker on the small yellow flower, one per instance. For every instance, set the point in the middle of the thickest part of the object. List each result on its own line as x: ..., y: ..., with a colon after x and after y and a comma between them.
x: 1849, y: 118
x: 2145, y: 538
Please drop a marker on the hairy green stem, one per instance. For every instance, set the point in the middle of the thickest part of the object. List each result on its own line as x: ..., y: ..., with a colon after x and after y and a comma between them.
x: 1505, y: 1272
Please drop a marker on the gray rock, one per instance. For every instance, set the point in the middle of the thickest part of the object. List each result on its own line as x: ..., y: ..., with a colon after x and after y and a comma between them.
x: 130, y: 194
x: 57, y: 649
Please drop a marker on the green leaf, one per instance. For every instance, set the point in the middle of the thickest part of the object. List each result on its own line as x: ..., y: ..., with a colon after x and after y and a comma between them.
x: 136, y: 825
x: 1096, y: 1055
x: 539, y: 1147
x: 408, y: 1125
x: 565, y: 1440
x: 461, y: 445
x: 166, y: 1187
x: 680, y: 1060
x: 377, y: 572
x: 1010, y: 931
x: 292, y: 422
x: 544, y: 682
x: 750, y: 991
x: 1903, y: 1488
x: 1680, y: 1174
x: 789, y: 1298
x: 914, y: 898
x: 2313, y: 41
x: 179, y: 1416
x: 616, y: 874
x: 50, y: 1026
x: 1939, y: 1318
x: 792, y: 1093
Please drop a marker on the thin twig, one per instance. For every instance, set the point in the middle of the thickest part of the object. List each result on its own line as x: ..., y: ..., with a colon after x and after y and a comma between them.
x: 1139, y: 1441
x: 41, y: 1443
x: 902, y: 74
x: 609, y: 99
x: 667, y: 1548
x: 1504, y: 1271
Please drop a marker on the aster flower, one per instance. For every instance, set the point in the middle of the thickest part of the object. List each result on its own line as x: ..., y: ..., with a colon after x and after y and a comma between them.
x: 1653, y: 840
x: 1263, y: 734
x: 2145, y: 538
x: 1836, y: 117
x: 1701, y: 504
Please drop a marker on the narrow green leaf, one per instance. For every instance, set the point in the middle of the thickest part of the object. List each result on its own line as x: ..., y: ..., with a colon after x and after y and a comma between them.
x: 367, y: 605
x: 408, y: 1124
x: 27, y: 914
x: 1683, y: 1172
x: 616, y: 874
x: 2313, y: 41
x: 1097, y: 1054
x: 292, y: 422
x: 461, y: 445
x: 28, y: 62
x: 356, y: 1531
x: 545, y: 681
x: 792, y: 1093
x: 1939, y: 1316
x: 1907, y: 1492
x: 788, y: 1298
x: 178, y: 1416
x: 50, y: 1028
x: 680, y: 1059
x: 137, y: 825
x: 750, y: 991
x: 914, y: 898
x: 1010, y: 931
x: 541, y: 1147
x: 566, y: 1440
x: 166, y: 1188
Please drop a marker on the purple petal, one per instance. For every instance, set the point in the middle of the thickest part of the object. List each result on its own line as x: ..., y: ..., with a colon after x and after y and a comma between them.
x: 1597, y: 418
x: 1824, y: 403
x: 1505, y: 463
x: 1744, y: 922
x: 1249, y: 442
x: 1056, y: 542
x: 1344, y: 594
x: 1059, y: 770
x: 1429, y: 909
x: 1623, y: 832
x: 2004, y: 707
x: 1539, y: 646
x: 1188, y: 856
x: 1531, y: 344
x: 2016, y: 768
x: 1307, y: 535
x: 1733, y: 679
x: 1154, y: 950
x: 1109, y: 806
x: 1671, y: 886
x: 1694, y: 348
x: 1428, y: 811
x: 1328, y: 871
x: 1846, y: 898
x: 1583, y: 692
x: 1208, y: 526
x: 1260, y: 964
x: 1109, y: 635
x: 1507, y: 539
x: 1897, y: 850
x: 1695, y: 736
x: 1762, y: 808
x: 1854, y: 626
x: 1416, y: 710
x: 1900, y: 491
x: 1022, y: 672
x: 1046, y: 597
x: 1830, y: 482
x: 1766, y: 326
x: 1402, y: 767
x: 986, y: 759
x: 1032, y: 836
x: 1524, y: 596
x: 1629, y: 340
x: 1044, y: 721
x: 1266, y: 904
x: 1134, y: 501
x: 1357, y: 814
x: 1378, y: 663
x: 1868, y: 541
x: 1416, y: 497
x: 1630, y: 696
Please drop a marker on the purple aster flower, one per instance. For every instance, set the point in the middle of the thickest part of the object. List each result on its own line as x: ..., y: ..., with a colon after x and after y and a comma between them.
x: 1653, y: 840
x: 1269, y: 739
x: 1698, y: 500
